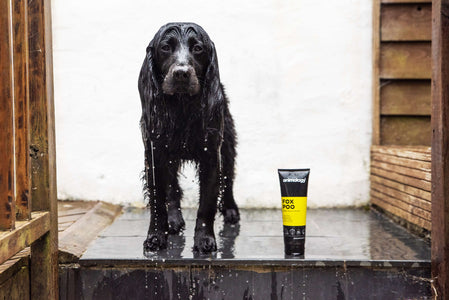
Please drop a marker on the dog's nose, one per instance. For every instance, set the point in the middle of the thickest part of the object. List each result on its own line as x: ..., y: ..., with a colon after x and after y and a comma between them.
x: 181, y: 73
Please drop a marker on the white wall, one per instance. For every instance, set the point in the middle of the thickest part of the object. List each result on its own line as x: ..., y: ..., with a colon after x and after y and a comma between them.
x: 298, y: 75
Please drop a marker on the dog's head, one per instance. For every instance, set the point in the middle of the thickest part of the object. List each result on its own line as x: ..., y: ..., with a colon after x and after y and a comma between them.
x: 182, y: 59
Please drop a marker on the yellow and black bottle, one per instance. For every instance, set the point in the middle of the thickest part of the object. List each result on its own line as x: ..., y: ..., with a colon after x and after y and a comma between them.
x: 294, y: 183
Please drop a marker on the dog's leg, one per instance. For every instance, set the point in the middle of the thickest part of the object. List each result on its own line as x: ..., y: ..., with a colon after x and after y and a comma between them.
x: 204, y: 240
x: 156, y: 181
x: 228, y: 206
x: 175, y: 220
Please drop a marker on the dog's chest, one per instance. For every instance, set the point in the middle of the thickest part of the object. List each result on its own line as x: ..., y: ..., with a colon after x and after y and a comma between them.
x: 187, y: 138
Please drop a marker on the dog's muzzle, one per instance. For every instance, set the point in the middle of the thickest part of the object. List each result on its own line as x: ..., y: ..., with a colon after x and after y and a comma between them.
x: 181, y: 79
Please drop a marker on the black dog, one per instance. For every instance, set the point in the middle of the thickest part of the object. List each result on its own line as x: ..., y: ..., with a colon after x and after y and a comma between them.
x: 185, y: 117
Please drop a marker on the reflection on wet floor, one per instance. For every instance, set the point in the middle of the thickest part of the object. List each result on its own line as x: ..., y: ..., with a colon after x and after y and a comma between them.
x: 331, y: 234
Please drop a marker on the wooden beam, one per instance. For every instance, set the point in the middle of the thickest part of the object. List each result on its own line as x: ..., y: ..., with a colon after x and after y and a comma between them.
x: 44, y: 252
x: 7, y: 213
x: 440, y: 148
x: 24, y: 235
x: 21, y: 109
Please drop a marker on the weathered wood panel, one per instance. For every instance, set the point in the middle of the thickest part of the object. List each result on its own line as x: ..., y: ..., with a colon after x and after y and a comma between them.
x: 405, y: 97
x: 409, y: 60
x: 7, y: 213
x: 21, y: 108
x: 405, y: 130
x: 406, y: 22
x: 440, y: 148
x: 401, y: 182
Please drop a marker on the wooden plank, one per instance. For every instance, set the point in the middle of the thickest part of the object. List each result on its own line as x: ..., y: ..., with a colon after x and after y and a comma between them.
x: 405, y: 130
x: 405, y: 60
x: 7, y: 213
x: 415, y: 153
x: 423, y: 175
x: 405, y: 97
x: 75, y: 239
x: 440, y: 149
x: 44, y: 252
x: 376, y: 73
x: 404, y: 162
x: 415, y: 182
x: 21, y: 108
x: 24, y: 235
x: 401, y: 213
x: 422, y: 194
x: 406, y: 22
x: 423, y: 205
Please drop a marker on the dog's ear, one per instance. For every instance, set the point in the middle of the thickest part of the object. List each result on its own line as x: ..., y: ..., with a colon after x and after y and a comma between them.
x: 213, y: 91
x: 148, y: 85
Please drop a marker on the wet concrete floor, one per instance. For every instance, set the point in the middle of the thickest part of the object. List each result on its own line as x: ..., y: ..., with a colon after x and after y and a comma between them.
x: 332, y: 235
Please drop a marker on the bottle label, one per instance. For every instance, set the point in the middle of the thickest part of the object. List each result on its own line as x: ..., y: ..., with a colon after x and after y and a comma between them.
x: 294, y: 211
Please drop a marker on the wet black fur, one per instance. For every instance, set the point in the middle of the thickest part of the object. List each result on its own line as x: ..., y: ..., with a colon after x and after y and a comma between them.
x: 183, y: 127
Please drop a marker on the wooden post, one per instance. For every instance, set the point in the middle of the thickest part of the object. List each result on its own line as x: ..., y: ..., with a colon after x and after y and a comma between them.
x: 21, y: 108
x: 7, y: 213
x: 440, y: 148
x: 376, y: 80
x: 44, y: 252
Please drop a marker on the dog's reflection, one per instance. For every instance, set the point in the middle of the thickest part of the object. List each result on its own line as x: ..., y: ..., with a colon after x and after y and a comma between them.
x: 227, y: 238
x: 176, y: 244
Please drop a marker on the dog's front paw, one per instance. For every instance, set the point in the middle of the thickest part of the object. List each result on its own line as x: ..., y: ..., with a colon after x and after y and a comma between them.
x: 155, y: 241
x: 175, y: 221
x: 231, y: 216
x: 204, y: 243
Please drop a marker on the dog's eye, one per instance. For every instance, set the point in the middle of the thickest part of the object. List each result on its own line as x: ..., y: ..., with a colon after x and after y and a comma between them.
x: 197, y: 49
x: 165, y: 48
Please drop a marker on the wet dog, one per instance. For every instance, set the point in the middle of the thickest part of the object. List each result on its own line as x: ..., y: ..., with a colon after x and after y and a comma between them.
x: 185, y: 117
